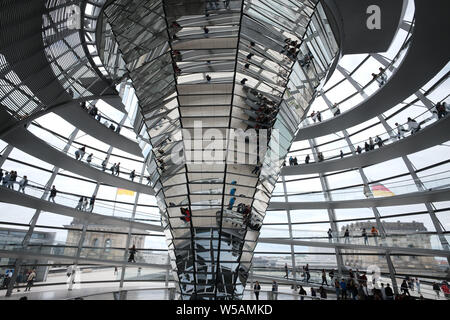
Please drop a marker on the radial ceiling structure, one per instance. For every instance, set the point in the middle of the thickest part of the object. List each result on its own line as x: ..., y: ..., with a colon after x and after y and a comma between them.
x: 206, y: 103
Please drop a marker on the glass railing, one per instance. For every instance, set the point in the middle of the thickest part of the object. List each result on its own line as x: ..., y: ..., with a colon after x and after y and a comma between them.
x: 314, y: 279
x: 113, y: 255
x: 101, y: 207
x: 413, y: 240
x: 424, y: 119
x: 431, y: 182
x: 96, y: 162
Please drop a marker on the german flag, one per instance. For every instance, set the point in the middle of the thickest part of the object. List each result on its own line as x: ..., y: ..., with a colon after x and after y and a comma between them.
x: 380, y: 190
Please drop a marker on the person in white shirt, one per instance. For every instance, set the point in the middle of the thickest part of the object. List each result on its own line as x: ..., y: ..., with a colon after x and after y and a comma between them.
x: 85, y: 204
x: 400, y: 131
x: 383, y: 291
x: 418, y: 284
x: 23, y: 183
x: 446, y: 106
x: 383, y: 75
x: 413, y: 126
x: 30, y: 280
x: 89, y: 158
x: 378, y: 79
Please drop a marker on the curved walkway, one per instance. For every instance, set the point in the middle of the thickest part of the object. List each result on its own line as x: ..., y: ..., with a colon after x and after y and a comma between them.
x: 29, y: 143
x: 427, y: 55
x: 391, y: 250
x: 83, y: 121
x: 26, y: 255
x: 8, y: 124
x: 428, y: 137
x: 403, y: 199
x: 17, y: 198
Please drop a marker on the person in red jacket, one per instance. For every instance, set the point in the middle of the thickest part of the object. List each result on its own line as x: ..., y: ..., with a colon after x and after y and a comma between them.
x: 445, y: 289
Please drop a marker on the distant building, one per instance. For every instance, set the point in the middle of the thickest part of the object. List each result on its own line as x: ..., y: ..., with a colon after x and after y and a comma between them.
x: 40, y: 242
x: 401, y: 234
x: 101, y: 242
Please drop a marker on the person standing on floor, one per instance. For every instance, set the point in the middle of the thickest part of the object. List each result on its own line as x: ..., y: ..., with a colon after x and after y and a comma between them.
x: 302, y: 293
x: 5, y: 180
x: 418, y: 285
x: 30, y: 280
x: 404, y: 288
x: 80, y: 203
x: 323, y: 293
x: 364, y: 235
x: 23, y: 183
x: 256, y: 289
x: 104, y: 163
x: 337, y: 287
x: 275, y: 290
x: 12, y: 179
x: 389, y: 293
x: 89, y: 158
x: 346, y: 236
x: 53, y: 193
x: 117, y: 169
x: 308, y: 276
x: 82, y: 152
x: 330, y: 235
x: 132, y: 253
x: 343, y: 286
x: 437, y: 289
x: 91, y: 203
x: 85, y: 204
x: 324, y: 277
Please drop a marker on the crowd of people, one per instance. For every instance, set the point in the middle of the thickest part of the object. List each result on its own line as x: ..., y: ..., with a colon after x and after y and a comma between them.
x: 373, y: 233
x: 85, y: 205
x: 8, y: 180
x: 355, y: 285
x: 30, y: 277
x: 442, y: 110
x: 93, y: 111
x: 293, y: 161
x: 263, y: 110
x: 381, y: 77
x: 115, y: 168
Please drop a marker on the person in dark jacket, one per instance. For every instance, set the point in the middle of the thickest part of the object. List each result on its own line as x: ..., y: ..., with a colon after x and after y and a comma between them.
x: 323, y: 293
x: 91, y: 203
x: 53, y: 193
x: 404, y: 288
x: 343, y: 289
x: 324, y: 277
x: 302, y: 293
x: 132, y: 253
x: 256, y: 290
x: 275, y: 290
x: 346, y: 236
x: 389, y: 292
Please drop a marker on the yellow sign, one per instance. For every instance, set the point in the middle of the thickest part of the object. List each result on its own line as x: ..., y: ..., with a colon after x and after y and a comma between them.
x: 125, y: 192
